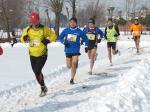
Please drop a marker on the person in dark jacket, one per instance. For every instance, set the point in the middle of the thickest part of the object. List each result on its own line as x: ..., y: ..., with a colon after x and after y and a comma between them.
x: 94, y: 35
x: 14, y: 40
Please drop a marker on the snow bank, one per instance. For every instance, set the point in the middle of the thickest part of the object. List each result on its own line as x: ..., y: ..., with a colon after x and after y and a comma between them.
x: 132, y: 93
x: 53, y: 74
x: 8, y: 45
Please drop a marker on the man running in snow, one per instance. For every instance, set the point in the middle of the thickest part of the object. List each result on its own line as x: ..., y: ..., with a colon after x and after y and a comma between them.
x: 136, y: 31
x: 111, y: 35
x: 70, y: 37
x: 94, y: 35
x: 38, y: 37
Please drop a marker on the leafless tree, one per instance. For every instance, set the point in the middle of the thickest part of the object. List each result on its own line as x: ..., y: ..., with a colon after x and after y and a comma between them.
x: 131, y: 6
x: 48, y: 17
x: 56, y: 6
x: 5, y: 17
x: 28, y: 7
x: 94, y: 10
x: 10, y: 14
x: 72, y: 4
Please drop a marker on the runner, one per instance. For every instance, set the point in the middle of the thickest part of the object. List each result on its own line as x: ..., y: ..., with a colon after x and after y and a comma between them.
x: 111, y: 35
x: 136, y: 31
x: 14, y: 40
x: 38, y: 37
x: 94, y: 35
x: 70, y: 37
x: 1, y: 50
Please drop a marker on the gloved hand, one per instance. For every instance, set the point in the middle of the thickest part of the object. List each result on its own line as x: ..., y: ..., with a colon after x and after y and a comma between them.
x: 99, y: 40
x: 86, y: 49
x: 81, y: 43
x: 26, y: 38
x: 45, y: 41
x: 66, y: 44
x: 115, y: 35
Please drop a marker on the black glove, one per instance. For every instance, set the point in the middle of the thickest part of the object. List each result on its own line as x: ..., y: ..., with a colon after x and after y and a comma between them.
x: 115, y: 35
x: 141, y: 33
x: 26, y: 38
x: 45, y: 41
x: 86, y: 49
x: 99, y: 40
x: 106, y: 37
x: 81, y: 42
x: 66, y: 44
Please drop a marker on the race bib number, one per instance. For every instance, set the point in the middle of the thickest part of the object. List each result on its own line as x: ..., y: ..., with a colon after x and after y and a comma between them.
x: 136, y: 33
x: 35, y: 43
x: 91, y: 36
x: 72, y: 37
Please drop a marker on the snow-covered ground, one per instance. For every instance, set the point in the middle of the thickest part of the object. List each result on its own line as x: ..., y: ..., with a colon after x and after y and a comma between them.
x: 123, y: 87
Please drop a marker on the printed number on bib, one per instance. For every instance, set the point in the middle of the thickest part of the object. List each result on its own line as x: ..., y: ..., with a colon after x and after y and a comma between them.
x: 72, y: 37
x: 34, y: 43
x: 91, y: 36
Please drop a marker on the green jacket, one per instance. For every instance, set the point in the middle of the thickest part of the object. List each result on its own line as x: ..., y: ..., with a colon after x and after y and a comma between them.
x: 111, y: 33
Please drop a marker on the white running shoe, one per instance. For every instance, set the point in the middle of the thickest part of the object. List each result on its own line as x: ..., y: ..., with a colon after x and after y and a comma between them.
x: 90, y: 72
x: 44, y: 90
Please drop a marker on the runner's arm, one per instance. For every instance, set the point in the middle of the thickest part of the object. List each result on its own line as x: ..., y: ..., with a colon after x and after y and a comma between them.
x: 84, y: 38
x: 131, y: 29
x: 24, y: 36
x: 141, y: 29
x: 49, y: 34
x: 100, y: 32
x: 117, y: 30
x: 105, y: 34
x: 62, y: 36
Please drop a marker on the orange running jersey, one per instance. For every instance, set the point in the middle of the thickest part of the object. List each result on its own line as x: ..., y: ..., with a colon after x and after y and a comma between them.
x: 136, y: 29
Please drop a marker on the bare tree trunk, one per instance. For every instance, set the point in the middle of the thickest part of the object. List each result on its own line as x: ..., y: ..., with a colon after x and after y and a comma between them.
x: 7, y: 27
x: 73, y: 8
x: 49, y: 20
x: 6, y: 19
x: 95, y: 10
x: 56, y: 6
x: 11, y: 14
x: 57, y: 23
x: 72, y: 4
x: 67, y: 13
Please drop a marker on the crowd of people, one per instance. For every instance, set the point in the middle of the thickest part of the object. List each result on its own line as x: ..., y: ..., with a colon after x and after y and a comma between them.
x: 72, y: 37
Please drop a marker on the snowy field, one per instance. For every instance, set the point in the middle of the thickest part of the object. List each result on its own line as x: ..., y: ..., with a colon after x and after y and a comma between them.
x: 123, y: 87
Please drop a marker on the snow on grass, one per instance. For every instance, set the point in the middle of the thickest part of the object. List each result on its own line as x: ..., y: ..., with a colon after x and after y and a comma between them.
x: 130, y: 94
x: 123, y: 87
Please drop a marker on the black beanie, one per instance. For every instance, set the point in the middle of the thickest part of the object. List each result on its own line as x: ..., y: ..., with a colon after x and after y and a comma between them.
x: 74, y: 19
x: 91, y: 20
x: 110, y: 19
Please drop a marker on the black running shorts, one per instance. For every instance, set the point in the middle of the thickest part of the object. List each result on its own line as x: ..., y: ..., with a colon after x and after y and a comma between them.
x: 111, y: 45
x: 69, y: 55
